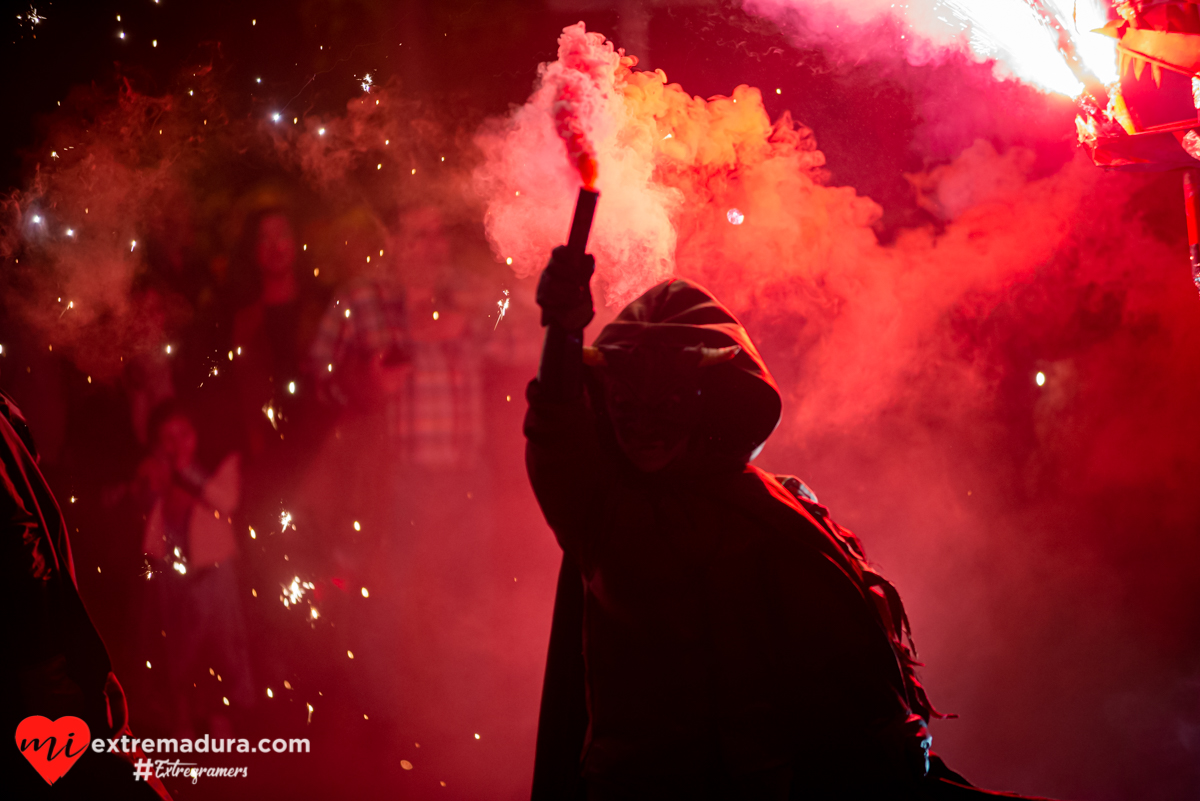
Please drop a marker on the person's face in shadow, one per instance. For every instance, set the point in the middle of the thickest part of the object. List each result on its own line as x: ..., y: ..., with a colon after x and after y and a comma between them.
x: 275, y: 248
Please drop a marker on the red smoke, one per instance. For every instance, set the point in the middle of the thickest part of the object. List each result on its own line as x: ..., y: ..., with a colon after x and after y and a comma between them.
x: 1004, y: 509
x: 1041, y: 535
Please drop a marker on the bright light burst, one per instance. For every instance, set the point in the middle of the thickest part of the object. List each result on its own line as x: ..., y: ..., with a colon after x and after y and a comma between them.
x: 1033, y: 38
x: 285, y: 520
x: 293, y: 593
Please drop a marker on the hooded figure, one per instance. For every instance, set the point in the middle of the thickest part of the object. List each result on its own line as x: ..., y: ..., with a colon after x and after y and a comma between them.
x: 715, y: 633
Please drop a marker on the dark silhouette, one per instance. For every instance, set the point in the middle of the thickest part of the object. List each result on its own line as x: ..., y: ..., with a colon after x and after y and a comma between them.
x: 56, y: 663
x: 716, y: 634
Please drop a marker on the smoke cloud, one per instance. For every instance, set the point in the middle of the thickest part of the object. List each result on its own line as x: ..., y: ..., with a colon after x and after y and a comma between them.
x: 1038, y: 532
x: 1003, y: 508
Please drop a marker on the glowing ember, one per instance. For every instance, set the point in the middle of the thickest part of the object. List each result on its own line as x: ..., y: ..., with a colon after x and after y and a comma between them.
x: 502, y: 306
x: 293, y: 593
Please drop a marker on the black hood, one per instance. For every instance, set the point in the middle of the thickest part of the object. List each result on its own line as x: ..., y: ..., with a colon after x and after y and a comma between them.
x: 742, y: 401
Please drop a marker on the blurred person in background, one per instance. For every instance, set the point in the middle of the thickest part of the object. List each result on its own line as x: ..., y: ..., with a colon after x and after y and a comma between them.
x: 272, y: 331
x: 400, y: 490
x: 193, y: 617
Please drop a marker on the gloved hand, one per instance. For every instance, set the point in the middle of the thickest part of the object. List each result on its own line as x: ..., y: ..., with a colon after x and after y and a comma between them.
x: 564, y: 291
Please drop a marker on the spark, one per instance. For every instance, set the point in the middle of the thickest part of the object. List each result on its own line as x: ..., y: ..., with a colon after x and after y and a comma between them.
x: 294, y: 592
x: 1040, y: 378
x: 365, y: 594
x: 502, y: 306
x: 132, y: 245
x: 258, y: 80
x: 735, y: 217
x: 508, y: 261
x: 321, y: 132
x: 285, y: 519
x: 168, y: 350
x: 121, y: 34
x: 310, y: 711
x: 154, y: 43
x: 276, y: 117
x: 53, y: 154
x: 330, y: 367
x: 70, y: 232
x: 269, y: 410
x: 37, y: 219
x: 292, y: 387
x: 366, y: 82
x: 270, y: 693
x: 239, y: 351
x: 1028, y: 38
x: 147, y: 664
x: 180, y: 568
x: 253, y: 534
x: 230, y: 355
x: 347, y: 313
x: 435, y: 315
x: 225, y: 700
x: 357, y: 526
x: 350, y: 654
x: 476, y: 736
x: 313, y: 613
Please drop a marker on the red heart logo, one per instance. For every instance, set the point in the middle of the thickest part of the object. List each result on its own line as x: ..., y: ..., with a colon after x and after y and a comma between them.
x: 52, y: 746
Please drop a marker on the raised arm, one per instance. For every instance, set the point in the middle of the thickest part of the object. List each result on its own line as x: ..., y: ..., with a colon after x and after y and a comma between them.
x: 562, y: 453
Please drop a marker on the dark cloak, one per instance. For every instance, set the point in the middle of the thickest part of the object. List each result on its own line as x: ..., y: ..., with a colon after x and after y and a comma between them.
x: 868, y: 674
